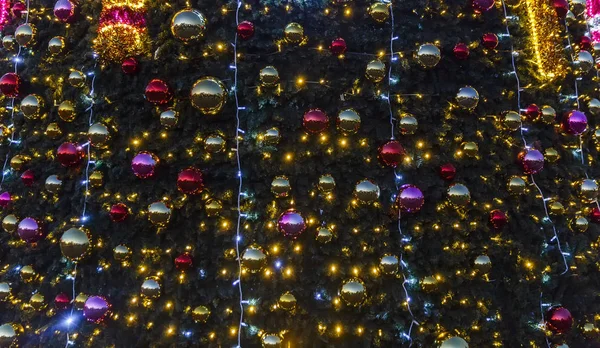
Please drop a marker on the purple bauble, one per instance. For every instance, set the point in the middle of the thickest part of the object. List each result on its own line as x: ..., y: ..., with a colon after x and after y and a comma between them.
x: 30, y: 230
x: 410, y: 198
x: 575, y: 123
x: 532, y: 161
x: 144, y: 164
x: 95, y: 308
x: 64, y: 10
x: 5, y: 199
x: 291, y: 224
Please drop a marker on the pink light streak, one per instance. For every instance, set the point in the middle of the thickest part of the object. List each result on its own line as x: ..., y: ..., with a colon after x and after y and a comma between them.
x: 4, y: 7
x: 593, y: 18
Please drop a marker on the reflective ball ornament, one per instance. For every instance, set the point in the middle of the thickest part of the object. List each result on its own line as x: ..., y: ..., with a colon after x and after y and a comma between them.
x: 594, y: 106
x: 18, y: 8
x: 483, y: 263
x: 588, y: 190
x: 188, y: 25
x: 461, y: 51
x: 183, y: 261
x: 10, y: 223
x: 575, y: 123
x: 245, y: 30
x: 366, y: 191
x: 98, y: 135
x: 532, y: 161
x: 489, y: 41
x: 579, y: 224
x: 10, y: 84
x: 62, y: 301
x: 189, y: 181
x: 56, y: 45
x: 315, y: 121
x: 447, y: 171
x: 66, y: 111
x: 5, y: 291
x: 559, y: 320
x: 158, y: 92
x: 498, y: 219
x: 454, y: 342
x: 27, y: 273
x: 150, y: 288
x: 208, y: 95
x: 213, y: 207
x: 214, y: 143
x: 585, y: 43
x: 459, y: 195
x: 585, y: 61
x: 293, y: 33
x: 168, y: 118
x: 9, y: 43
x: 291, y: 224
x: 392, y: 153
x: 64, y: 10
x: 5, y: 199
x: 159, y: 214
x: 200, y: 314
x: 31, y: 106
x: 18, y: 161
x: 410, y: 198
x: 326, y: 183
x: 95, y: 309
x: 74, y: 243
x: 408, y: 124
x: 129, y: 66
x: 28, y: 178
x: 353, y: 292
x: 511, y: 120
x: 338, y: 46
x: 429, y: 55
x: 69, y: 154
x: 480, y: 6
x: 375, y: 71
x: 269, y: 76
x: 389, y: 264
x: 379, y: 11
x: 37, y: 301
x: 118, y: 212
x: 144, y: 164
x: 578, y: 7
x: 97, y: 179
x: 324, y: 235
x: 25, y: 35
x: 516, y: 185
x: 79, y: 301
x: 467, y: 97
x: 53, y: 131
x: 271, y: 340
x: 280, y: 186
x: 121, y: 253
x: 254, y: 259
x: 348, y: 121
x: 8, y: 335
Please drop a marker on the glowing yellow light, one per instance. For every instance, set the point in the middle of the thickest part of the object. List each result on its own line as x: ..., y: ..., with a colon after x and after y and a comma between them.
x: 333, y: 268
x: 348, y: 12
x: 288, y: 157
x: 300, y: 81
x: 220, y: 46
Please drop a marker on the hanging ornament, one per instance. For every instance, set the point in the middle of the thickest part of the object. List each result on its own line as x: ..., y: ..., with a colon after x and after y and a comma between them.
x: 200, y: 314
x: 585, y: 61
x: 269, y: 76
x: 144, y: 164
x: 408, y: 124
x: 214, y: 143
x: 293, y: 33
x: 69, y: 154
x: 4, y: 291
x: 9, y: 223
x: 389, y: 264
x: 447, y: 171
x: 579, y: 224
x: 189, y: 181
x: 287, y: 301
x: 122, y: 30
x: 96, y: 179
x: 454, y: 342
x: 64, y: 10
x: 9, y: 335
x: 594, y: 216
x: 324, y: 235
x: 31, y: 106
x: 483, y: 263
x: 498, y: 219
x: 548, y: 115
x: 561, y: 7
x: 594, y: 106
x: 150, y: 288
x: 480, y: 6
x: 95, y: 309
x: 37, y: 301
x: 375, y: 71
x: 379, y: 11
x: 559, y: 320
x: 74, y: 243
x: 27, y: 273
x: 62, y: 301
x: 461, y: 51
x: 53, y: 130
x: 326, y: 183
x: 183, y: 262
x: 118, y: 212
x: 532, y: 161
x: 253, y: 259
x: 28, y: 177
x: 245, y: 30
x: 18, y: 8
x: 159, y: 214
x: 188, y: 25
x: 129, y: 66
x: 353, y: 292
x: 578, y: 7
x: 25, y: 35
x: 459, y: 195
x: 315, y: 121
x: 213, y: 207
x: 18, y: 161
x: 291, y: 224
x: 511, y: 120
x: 10, y: 83
x: 121, y: 253
x: 392, y: 153
x: 585, y: 43
x: 158, y: 92
x: 348, y: 121
x: 5, y: 200
x: 489, y: 41
x: 410, y: 198
x: 338, y: 47
x: 30, y: 230
x: 575, y: 123
x: 470, y: 148
x: 280, y: 186
x: 467, y: 97
x: 208, y: 95
x: 9, y: 43
x: 366, y: 191
x: 98, y: 135
x: 551, y: 155
x: 429, y: 55
x: 168, y: 118
x: 588, y: 190
x: 66, y: 111
x: 556, y: 208
x: 56, y: 45
x: 79, y: 301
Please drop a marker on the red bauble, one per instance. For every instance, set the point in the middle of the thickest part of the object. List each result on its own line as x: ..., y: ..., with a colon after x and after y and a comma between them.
x: 69, y: 154
x: 158, y: 92
x: 183, y: 261
x: 447, y: 171
x: 532, y: 161
x: 480, y: 6
x: 559, y: 320
x: 18, y: 8
x: 62, y: 301
x: 129, y: 66
x: 585, y: 43
x: 498, y: 219
x: 64, y: 10
x: 489, y: 41
x: 30, y: 230
x: 10, y: 84
x: 532, y: 111
x: 144, y: 164
x: 118, y: 212
x: 245, y: 30
x: 189, y: 181
x: 595, y: 215
x: 27, y: 177
x: 5, y: 199
x: 315, y: 121
x: 338, y: 46
x: 392, y: 153
x: 461, y: 51
x: 561, y: 7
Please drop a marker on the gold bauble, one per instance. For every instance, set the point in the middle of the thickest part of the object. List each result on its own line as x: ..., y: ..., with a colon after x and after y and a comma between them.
x: 589, y: 328
x: 579, y: 224
x: 37, y: 301
x: 454, y: 342
x: 269, y: 76
x: 200, y: 314
x: 208, y: 95
x: 516, y: 185
x: 375, y: 70
x: 53, y: 184
x: 214, y: 143
x: 31, y: 106
x: 366, y: 191
x: 511, y: 120
x: 379, y: 11
x: 18, y: 161
x: 150, y: 288
x: 326, y: 183
x: 348, y: 121
x: 10, y: 223
x: 588, y: 190
x: 467, y: 97
x: 213, y: 207
x: 548, y: 115
x: 66, y: 111
x: 8, y: 335
x: 551, y: 155
x: 27, y: 273
x: 280, y: 186
x: 80, y: 300
x: 556, y: 208
x: 4, y: 291
x: 271, y: 136
x: 9, y: 43
x: 429, y: 283
x: 98, y: 135
x: 168, y: 118
x: 188, y: 25
x: 25, y: 34
x: 74, y: 243
x: 429, y: 55
x: 324, y: 235
x: 76, y: 78
x: 56, y: 45
x: 53, y: 130
x: 596, y: 47
x: 293, y: 33
x: 594, y: 106
x: 459, y: 195
x: 470, y: 148
x: 483, y: 263
x: 585, y: 61
x: 577, y: 6
x: 253, y: 259
x: 353, y: 292
x: 121, y: 252
x: 408, y: 124
x: 96, y: 179
x: 269, y: 340
x: 389, y: 264
x: 287, y: 301
x: 159, y: 214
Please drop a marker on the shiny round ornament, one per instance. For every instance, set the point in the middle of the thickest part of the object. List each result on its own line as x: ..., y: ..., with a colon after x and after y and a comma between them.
x: 18, y: 161
x: 18, y: 8
x: 408, y: 124
x: 392, y: 153
x: 326, y: 183
x: 150, y: 288
x: 56, y: 45
x: 53, y: 130
x: 595, y: 215
x: 76, y: 78
x: 575, y: 123
x: 551, y: 155
x: 348, y: 121
x: 291, y: 224
x: 98, y: 135
x: 213, y: 207
x: 315, y: 121
x: 189, y: 181
x: 447, y: 171
x: 556, y: 208
x: 9, y: 43
x: 585, y: 61
x: 588, y: 190
x: 570, y: 18
x: 353, y: 292
x: 118, y: 212
x: 8, y: 335
x: 74, y: 243
x: 200, y: 314
x: 183, y: 261
x: 532, y: 161
x: 158, y: 92
x: 30, y: 230
x: 366, y: 191
x: 489, y: 41
x: 455, y: 342
x: 10, y: 84
x: 467, y: 97
x: 375, y: 71
x: 410, y: 198
x: 5, y: 199
x: 168, y: 118
x: 559, y: 320
x: 338, y: 46
x: 214, y: 143
x: 429, y: 55
x: 511, y: 120
x: 62, y: 301
x: 27, y: 273
x: 596, y: 48
x: 579, y: 224
x: 31, y: 106
x: 459, y: 195
x: 37, y: 301
x: 254, y: 259
x: 129, y: 66
x: 188, y: 25
x: 461, y: 51
x: 470, y: 148
x: 324, y: 235
x: 516, y: 185
x: 389, y: 264
x: 483, y: 263
x: 498, y: 219
x: 25, y: 35
x: 10, y: 223
x: 144, y: 164
x: 594, y: 106
x: 28, y: 177
x: 379, y: 11
x: 121, y: 253
x: 95, y: 308
x: 578, y: 7
x: 66, y: 111
x: 159, y: 214
x: 96, y: 179
x: 64, y: 10
x: 269, y: 340
x: 280, y: 186
x: 269, y: 76
x: 287, y: 301
x: 480, y: 6
x: 4, y: 291
x: 69, y: 154
x: 293, y: 33
x: 79, y: 301
x: 208, y: 95
x: 245, y: 30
